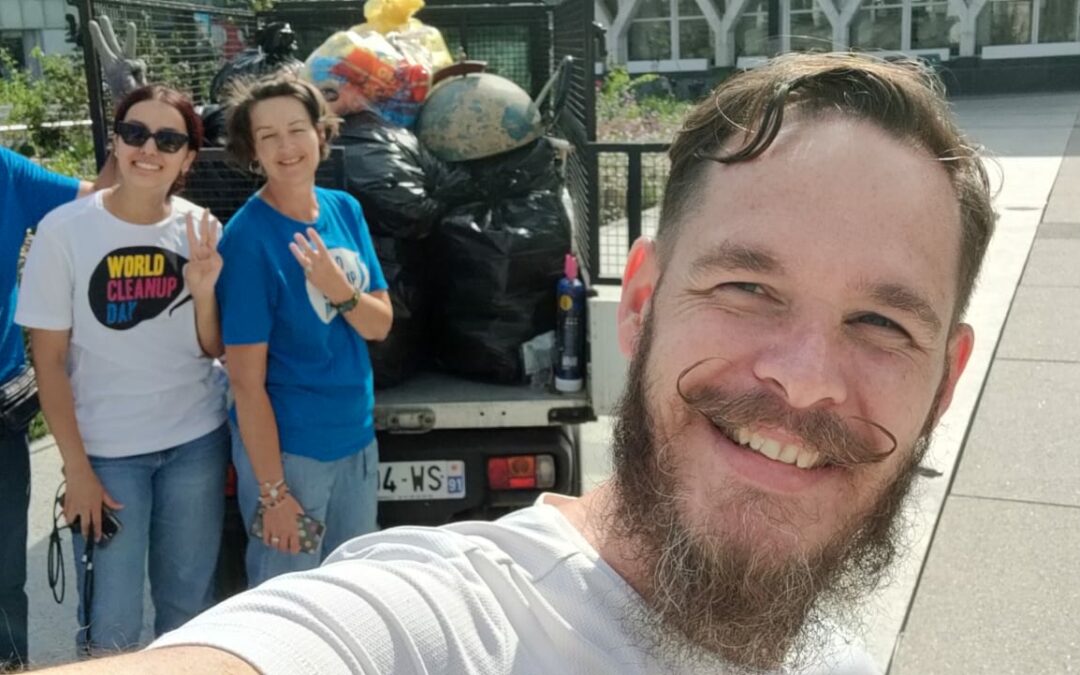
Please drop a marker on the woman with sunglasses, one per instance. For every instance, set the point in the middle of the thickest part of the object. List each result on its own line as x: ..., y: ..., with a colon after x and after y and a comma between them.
x: 300, y: 294
x: 118, y: 294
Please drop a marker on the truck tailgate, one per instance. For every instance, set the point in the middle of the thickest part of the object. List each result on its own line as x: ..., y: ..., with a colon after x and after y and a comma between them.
x: 440, y: 401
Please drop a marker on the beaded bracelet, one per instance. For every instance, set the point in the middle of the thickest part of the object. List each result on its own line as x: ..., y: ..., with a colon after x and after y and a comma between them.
x: 275, y: 495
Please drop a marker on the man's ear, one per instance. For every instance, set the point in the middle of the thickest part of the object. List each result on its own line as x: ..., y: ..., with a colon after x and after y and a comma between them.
x: 958, y: 352
x: 639, y: 282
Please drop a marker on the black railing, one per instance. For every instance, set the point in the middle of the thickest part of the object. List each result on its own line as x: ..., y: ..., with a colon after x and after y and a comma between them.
x: 625, y: 202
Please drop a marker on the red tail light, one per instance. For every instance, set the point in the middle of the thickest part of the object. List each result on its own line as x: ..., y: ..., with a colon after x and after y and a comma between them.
x: 521, y: 472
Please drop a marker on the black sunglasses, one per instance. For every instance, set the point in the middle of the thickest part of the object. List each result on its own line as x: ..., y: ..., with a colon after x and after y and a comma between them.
x: 136, y: 134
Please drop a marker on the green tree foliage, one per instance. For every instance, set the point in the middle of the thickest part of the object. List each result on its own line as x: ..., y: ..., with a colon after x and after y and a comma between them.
x: 43, y: 104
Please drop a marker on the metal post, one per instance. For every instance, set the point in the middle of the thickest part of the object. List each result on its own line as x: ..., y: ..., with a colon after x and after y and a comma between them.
x: 592, y: 169
x: 93, y: 83
x: 633, y: 196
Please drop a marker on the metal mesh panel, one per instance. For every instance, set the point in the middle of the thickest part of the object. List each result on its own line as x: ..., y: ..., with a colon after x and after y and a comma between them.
x: 631, y: 179
x: 184, y: 43
x: 215, y: 184
x: 571, y: 28
x: 614, y: 239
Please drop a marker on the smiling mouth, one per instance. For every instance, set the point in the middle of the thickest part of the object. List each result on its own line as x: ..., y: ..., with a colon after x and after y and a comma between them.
x: 147, y: 167
x: 290, y: 162
x: 777, y: 450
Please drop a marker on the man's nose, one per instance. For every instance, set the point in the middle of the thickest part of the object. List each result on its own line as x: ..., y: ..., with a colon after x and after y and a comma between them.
x: 805, y: 366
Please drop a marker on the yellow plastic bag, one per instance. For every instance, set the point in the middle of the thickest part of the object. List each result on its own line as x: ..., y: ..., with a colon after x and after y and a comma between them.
x: 394, y: 18
x: 384, y: 65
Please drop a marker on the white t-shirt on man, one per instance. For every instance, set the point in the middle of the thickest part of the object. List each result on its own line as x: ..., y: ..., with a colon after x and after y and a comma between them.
x: 526, y: 594
x: 140, y: 380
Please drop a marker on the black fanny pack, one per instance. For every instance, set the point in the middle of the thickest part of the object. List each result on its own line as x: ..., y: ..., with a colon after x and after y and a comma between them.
x: 19, y: 401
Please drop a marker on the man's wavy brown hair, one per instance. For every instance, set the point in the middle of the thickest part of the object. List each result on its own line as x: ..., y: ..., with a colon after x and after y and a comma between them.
x: 903, y: 98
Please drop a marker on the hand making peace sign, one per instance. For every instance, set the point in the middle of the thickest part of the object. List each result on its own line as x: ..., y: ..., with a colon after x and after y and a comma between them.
x: 319, y: 266
x: 204, y: 264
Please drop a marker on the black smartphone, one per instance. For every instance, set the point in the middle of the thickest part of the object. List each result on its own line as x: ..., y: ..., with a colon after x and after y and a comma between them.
x: 110, y: 524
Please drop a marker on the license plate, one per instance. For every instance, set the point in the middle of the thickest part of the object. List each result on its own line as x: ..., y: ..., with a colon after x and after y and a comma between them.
x: 437, y: 479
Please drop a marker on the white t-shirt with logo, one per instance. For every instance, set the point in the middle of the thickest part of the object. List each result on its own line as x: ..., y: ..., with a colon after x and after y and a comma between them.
x: 524, y: 595
x: 140, y: 380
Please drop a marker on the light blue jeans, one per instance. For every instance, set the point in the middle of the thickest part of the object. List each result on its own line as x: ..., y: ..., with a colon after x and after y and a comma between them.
x: 342, y: 494
x: 174, y: 507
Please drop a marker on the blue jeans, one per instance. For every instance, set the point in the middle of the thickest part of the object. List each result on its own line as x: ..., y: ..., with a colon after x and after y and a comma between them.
x: 342, y: 494
x: 14, y: 500
x: 174, y: 506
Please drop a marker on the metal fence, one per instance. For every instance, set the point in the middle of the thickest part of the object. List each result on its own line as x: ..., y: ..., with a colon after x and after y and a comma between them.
x: 183, y: 43
x: 630, y: 183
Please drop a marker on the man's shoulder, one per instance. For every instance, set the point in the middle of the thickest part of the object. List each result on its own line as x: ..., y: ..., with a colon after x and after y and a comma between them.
x: 531, y: 539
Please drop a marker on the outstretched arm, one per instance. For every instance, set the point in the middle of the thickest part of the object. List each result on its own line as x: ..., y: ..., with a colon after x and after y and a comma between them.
x: 186, y: 660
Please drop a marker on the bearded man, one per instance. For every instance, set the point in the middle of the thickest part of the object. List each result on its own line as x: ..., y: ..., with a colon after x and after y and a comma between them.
x: 795, y: 334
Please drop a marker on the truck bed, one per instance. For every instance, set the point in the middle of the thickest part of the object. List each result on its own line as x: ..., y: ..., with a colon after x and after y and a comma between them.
x: 439, y: 401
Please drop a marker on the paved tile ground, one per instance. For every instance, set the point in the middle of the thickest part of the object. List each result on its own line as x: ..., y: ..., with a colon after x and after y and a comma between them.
x: 999, y: 592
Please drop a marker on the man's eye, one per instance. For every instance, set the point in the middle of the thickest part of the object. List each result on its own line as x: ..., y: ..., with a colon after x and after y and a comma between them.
x: 745, y: 287
x: 881, y: 322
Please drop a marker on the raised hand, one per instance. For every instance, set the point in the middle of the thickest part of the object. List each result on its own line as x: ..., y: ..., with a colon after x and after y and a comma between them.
x: 204, y: 262
x: 319, y: 266
x: 123, y: 71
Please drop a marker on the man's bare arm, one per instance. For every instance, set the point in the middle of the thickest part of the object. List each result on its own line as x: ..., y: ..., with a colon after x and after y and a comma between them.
x: 187, y: 660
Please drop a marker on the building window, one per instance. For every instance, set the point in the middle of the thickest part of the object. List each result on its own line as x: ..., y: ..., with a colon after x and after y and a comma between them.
x: 752, y: 30
x: 1004, y: 22
x: 878, y: 25
x: 930, y: 24
x: 12, y: 43
x: 810, y: 28
x: 669, y: 29
x: 1058, y: 20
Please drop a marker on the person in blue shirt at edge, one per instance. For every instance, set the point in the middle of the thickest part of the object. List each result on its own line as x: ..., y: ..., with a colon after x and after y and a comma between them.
x: 27, y: 193
x: 300, y: 294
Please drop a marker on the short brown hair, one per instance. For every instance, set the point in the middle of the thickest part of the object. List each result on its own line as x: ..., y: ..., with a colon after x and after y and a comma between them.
x: 905, y: 99
x: 243, y: 96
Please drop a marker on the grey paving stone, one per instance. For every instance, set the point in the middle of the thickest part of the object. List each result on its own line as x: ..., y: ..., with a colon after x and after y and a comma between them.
x: 999, y: 594
x: 1063, y: 205
x: 1044, y: 324
x: 1053, y: 262
x: 1058, y: 231
x: 1022, y: 443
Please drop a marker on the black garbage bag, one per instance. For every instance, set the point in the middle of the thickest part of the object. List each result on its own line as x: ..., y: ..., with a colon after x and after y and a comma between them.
x: 403, y: 188
x: 497, y: 268
x: 273, y: 53
x: 215, y: 131
x: 405, y: 349
x: 532, y: 168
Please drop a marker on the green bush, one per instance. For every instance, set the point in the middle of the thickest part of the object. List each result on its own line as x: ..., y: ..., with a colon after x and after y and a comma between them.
x: 59, y: 95
x: 622, y: 116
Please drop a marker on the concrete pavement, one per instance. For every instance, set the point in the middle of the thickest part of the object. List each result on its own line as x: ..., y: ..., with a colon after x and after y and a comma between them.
x: 989, y: 584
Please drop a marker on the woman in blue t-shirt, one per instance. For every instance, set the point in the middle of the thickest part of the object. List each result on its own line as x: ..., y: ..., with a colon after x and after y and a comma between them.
x: 300, y: 293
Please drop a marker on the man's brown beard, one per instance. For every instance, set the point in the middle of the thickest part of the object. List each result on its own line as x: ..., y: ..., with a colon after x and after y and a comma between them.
x: 726, y: 594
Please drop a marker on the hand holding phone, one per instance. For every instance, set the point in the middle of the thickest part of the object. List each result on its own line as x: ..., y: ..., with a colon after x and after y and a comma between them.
x: 309, y: 531
x: 86, y: 501
x: 110, y: 524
